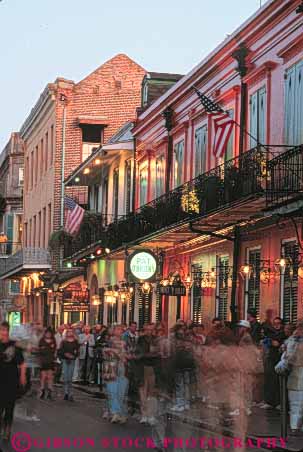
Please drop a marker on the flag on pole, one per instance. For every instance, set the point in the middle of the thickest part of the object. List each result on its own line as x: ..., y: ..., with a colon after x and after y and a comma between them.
x: 74, y: 217
x: 222, y: 122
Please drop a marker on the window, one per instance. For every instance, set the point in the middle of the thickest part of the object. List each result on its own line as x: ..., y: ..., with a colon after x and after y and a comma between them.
x: 25, y: 235
x: 41, y: 157
x: 52, y: 150
x: 49, y: 220
x: 294, y: 105
x: 44, y: 227
x: 15, y: 286
x: 128, y: 186
x: 34, y: 231
x: 160, y: 176
x: 46, y: 152
x: 21, y: 177
x: 36, y: 156
x: 229, y: 154
x: 9, y: 231
x: 143, y: 186
x: 289, y: 283
x: 30, y: 233
x: 32, y: 170
x: 178, y: 163
x: 257, y: 107
x: 222, y: 288
x: 91, y: 138
x: 116, y: 193
x: 39, y: 229
x: 200, y: 150
x: 96, y: 198
x: 105, y: 200
x: 252, y: 284
x: 27, y: 174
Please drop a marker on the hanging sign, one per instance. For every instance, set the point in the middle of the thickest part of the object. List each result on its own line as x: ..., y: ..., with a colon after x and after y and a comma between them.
x: 173, y: 291
x: 142, y: 265
x: 76, y: 307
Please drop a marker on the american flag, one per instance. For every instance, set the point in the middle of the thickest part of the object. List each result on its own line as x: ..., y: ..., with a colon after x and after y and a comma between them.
x: 74, y: 216
x: 222, y: 122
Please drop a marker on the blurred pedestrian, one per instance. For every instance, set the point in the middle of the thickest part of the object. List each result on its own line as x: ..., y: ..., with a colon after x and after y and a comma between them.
x: 68, y: 352
x: 12, y: 376
x: 47, y: 353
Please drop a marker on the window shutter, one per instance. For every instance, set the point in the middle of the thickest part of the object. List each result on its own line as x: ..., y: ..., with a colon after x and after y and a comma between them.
x: 253, y: 119
x: 229, y: 154
x: 9, y: 226
x: 289, y: 295
x: 298, y: 126
x: 290, y: 106
x: 262, y: 115
x: 254, y: 281
x: 178, y: 167
x: 197, y: 293
x: 200, y: 150
x: 222, y: 289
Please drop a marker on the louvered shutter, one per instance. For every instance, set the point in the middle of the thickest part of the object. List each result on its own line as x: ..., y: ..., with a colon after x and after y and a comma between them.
x: 298, y: 127
x: 258, y: 117
x: 262, y: 115
x: 253, y: 119
x: 197, y: 293
x: 289, y: 283
x: 229, y: 154
x: 293, y: 105
x: 254, y: 281
x: 200, y: 150
x: 222, y: 288
x: 158, y: 304
x: 145, y: 302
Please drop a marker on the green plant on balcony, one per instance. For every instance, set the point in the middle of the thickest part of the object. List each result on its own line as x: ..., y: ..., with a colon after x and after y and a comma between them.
x: 59, y: 238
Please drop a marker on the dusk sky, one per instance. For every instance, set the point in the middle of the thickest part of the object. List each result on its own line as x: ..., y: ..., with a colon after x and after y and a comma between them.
x: 41, y: 40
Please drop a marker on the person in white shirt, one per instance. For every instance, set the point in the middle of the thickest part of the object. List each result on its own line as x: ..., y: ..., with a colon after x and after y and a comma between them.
x: 87, y: 344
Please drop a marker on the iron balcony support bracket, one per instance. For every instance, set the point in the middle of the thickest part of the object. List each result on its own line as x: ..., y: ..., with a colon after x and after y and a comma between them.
x: 210, y: 233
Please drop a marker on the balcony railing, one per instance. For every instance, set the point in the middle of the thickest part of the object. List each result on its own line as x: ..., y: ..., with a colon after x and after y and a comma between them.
x: 9, y: 248
x: 235, y: 180
x: 25, y: 259
x: 285, y: 177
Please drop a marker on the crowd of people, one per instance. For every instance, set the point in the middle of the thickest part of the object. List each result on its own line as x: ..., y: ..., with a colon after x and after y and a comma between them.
x: 229, y: 368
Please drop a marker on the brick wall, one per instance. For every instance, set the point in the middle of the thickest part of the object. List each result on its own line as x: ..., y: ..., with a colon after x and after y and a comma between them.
x: 113, y: 92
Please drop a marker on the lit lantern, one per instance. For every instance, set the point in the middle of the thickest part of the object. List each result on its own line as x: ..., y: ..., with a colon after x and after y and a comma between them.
x: 86, y: 171
x: 246, y: 271
x: 282, y: 263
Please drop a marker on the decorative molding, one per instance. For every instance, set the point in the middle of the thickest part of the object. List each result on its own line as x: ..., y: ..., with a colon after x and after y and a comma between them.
x: 180, y: 127
x: 292, y: 49
x: 229, y: 95
x: 259, y: 72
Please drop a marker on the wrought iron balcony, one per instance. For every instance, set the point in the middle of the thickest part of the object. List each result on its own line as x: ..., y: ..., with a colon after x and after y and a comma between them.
x: 285, y: 177
x: 237, y: 179
x: 23, y: 261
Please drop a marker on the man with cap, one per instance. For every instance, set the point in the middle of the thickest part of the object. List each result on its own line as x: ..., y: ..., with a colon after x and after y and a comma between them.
x: 255, y: 326
x: 244, y: 335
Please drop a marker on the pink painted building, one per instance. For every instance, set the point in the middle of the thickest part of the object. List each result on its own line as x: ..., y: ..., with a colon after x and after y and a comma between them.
x: 227, y: 231
x: 247, y: 204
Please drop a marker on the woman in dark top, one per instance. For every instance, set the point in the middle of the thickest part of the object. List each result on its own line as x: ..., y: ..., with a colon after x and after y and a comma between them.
x: 68, y: 352
x: 12, y: 375
x: 47, y: 352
